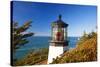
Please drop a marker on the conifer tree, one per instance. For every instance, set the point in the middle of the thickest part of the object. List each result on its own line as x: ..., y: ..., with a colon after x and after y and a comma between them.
x: 19, y: 37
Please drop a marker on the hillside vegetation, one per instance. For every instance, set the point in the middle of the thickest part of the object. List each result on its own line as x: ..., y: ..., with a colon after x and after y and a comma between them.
x: 85, y: 51
x: 33, y: 58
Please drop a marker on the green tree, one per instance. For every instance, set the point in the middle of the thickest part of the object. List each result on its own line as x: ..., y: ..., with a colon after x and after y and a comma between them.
x: 19, y: 37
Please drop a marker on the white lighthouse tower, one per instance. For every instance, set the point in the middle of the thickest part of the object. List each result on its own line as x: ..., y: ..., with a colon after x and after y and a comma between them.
x: 59, y: 41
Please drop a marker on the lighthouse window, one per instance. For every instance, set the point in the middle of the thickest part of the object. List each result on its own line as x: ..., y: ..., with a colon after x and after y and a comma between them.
x: 54, y: 33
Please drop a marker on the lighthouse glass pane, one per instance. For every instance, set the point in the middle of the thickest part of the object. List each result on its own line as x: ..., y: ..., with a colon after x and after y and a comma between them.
x: 54, y: 33
x: 65, y: 34
x: 59, y: 34
x: 60, y: 29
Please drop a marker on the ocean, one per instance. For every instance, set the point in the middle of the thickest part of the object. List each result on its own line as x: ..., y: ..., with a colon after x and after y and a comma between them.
x: 37, y: 42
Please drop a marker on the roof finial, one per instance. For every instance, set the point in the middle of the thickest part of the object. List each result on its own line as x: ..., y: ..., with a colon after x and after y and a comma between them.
x: 60, y: 17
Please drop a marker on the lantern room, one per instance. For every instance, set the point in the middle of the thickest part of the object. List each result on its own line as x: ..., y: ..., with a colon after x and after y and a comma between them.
x: 59, y: 30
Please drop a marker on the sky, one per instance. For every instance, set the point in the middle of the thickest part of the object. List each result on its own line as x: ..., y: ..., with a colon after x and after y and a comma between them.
x: 80, y: 18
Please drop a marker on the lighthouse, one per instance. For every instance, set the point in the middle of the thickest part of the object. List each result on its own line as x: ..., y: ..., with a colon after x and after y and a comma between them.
x: 59, y: 40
